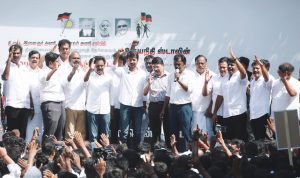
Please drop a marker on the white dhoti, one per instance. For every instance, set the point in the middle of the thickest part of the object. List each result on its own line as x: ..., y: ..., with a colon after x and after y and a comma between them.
x: 204, y: 123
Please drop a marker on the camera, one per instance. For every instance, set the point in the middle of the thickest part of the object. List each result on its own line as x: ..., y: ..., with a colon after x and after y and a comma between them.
x: 59, y: 147
x: 100, y: 153
x: 220, y: 128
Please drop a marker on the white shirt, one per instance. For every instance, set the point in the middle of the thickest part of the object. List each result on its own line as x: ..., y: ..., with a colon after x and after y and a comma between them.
x: 35, y: 84
x: 176, y: 93
x: 75, y: 92
x: 158, y: 87
x: 16, y: 88
x: 62, y: 63
x: 115, y: 91
x: 98, y: 89
x: 131, y: 86
x: 260, y: 97
x: 52, y: 90
x: 234, y: 94
x: 281, y: 100
x: 199, y: 102
x: 214, y: 85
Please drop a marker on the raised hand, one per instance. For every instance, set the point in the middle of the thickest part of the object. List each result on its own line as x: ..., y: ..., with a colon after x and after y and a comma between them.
x: 258, y: 61
x: 54, y: 48
x: 231, y: 54
x: 271, y: 124
x: 100, y: 167
x: 104, y: 140
x: 173, y: 140
x: 134, y: 44
x: 78, y: 139
x: 48, y: 174
x: 207, y: 76
x: 150, y: 79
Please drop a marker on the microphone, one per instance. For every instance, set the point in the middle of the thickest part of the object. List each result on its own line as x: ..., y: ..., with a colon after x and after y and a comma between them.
x: 176, y: 71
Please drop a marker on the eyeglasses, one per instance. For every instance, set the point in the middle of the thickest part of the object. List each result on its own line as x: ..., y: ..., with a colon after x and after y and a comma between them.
x: 120, y: 26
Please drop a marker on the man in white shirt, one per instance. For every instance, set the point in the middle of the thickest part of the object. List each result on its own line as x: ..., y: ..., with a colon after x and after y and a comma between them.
x: 148, y: 70
x: 157, y: 88
x: 16, y: 91
x: 214, y: 86
x: 52, y: 97
x: 200, y: 102
x: 260, y: 99
x: 98, y: 86
x: 64, y: 48
x: 132, y: 105
x: 35, y: 121
x: 75, y: 95
x: 285, y: 90
x: 233, y: 96
x: 178, y: 95
x: 115, y: 103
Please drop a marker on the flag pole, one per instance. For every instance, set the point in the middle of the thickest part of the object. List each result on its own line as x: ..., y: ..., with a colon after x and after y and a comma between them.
x: 64, y: 27
x: 65, y: 24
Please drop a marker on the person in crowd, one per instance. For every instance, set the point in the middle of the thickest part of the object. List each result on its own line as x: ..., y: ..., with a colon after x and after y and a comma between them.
x: 98, y: 86
x: 179, y: 97
x: 233, y: 96
x: 36, y: 119
x: 200, y: 100
x: 75, y: 95
x: 132, y: 105
x: 156, y: 88
x: 16, y: 91
x: 52, y: 97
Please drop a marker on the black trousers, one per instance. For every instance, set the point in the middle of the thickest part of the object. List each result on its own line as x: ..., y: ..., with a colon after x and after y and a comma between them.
x: 154, y: 110
x: 17, y: 118
x: 114, y: 126
x: 259, y: 127
x: 236, y: 127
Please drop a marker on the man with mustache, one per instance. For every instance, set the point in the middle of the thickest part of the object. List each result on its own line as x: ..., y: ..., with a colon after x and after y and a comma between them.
x: 75, y: 94
x: 233, y: 96
x: 132, y: 105
x: 201, y: 102
x: 36, y: 120
x: 16, y: 91
x: 98, y: 86
x: 260, y: 98
x: 213, y: 85
x: 52, y: 97
x: 285, y: 90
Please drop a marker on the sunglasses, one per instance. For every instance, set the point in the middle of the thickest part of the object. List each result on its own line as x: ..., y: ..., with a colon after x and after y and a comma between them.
x: 120, y: 26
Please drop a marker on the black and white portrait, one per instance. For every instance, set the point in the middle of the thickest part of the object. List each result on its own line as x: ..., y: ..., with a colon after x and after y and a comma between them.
x: 122, y: 26
x: 87, y: 27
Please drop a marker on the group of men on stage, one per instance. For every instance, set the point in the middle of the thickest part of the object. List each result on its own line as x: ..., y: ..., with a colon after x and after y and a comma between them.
x: 58, y: 96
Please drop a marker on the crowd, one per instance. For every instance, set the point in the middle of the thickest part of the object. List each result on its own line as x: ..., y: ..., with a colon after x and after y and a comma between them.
x: 64, y: 120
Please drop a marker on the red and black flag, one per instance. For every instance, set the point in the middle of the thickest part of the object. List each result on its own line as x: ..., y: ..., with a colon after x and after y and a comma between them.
x: 143, y: 16
x: 148, y: 18
x: 65, y: 15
